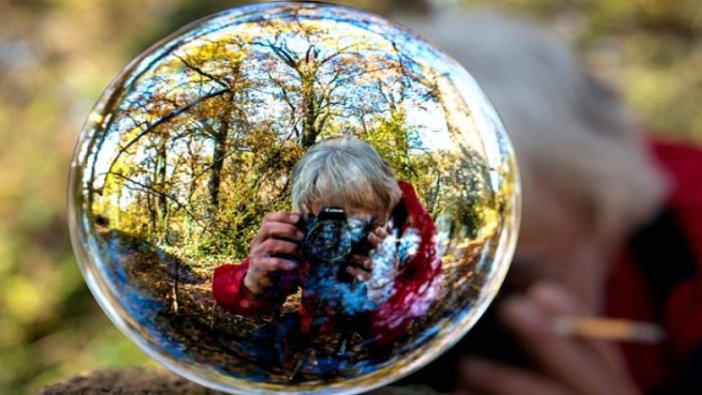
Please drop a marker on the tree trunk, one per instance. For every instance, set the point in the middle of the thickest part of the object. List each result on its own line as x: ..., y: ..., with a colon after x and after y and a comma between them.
x: 161, y: 166
x: 310, y: 108
x: 218, y: 152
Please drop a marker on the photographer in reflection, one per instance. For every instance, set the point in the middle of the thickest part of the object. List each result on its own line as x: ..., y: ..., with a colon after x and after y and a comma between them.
x: 359, y: 244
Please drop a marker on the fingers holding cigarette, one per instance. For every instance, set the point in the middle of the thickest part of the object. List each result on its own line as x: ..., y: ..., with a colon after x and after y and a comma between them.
x: 572, y: 320
x: 586, y: 365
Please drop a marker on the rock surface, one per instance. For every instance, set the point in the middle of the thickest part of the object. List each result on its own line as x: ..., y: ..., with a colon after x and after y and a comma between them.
x: 158, y: 381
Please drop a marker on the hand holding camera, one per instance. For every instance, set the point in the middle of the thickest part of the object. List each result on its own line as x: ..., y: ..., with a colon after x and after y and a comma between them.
x: 341, y: 247
x: 274, y: 249
x: 328, y: 239
x: 361, y: 265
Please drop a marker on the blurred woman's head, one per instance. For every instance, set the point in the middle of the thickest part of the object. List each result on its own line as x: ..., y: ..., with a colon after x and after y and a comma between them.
x: 345, y: 173
x: 586, y: 174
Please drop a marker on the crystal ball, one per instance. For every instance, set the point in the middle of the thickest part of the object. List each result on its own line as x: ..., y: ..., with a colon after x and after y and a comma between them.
x: 293, y: 198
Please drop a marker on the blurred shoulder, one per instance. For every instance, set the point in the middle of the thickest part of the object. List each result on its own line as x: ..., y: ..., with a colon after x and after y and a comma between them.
x: 410, y: 200
x: 682, y: 161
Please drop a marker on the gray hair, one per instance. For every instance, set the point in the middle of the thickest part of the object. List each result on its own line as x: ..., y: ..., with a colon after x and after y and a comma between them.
x: 344, y: 172
x: 568, y: 129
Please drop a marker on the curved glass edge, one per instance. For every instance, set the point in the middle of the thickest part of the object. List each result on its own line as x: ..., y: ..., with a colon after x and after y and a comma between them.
x: 105, y: 296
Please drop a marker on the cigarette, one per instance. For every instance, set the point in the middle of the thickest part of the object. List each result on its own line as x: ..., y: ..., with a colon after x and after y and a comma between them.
x: 609, y: 329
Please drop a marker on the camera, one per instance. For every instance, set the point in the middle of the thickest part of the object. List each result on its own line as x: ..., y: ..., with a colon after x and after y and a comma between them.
x: 331, y: 238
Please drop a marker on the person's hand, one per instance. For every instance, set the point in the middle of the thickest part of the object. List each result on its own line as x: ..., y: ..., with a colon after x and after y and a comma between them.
x: 277, y: 236
x: 361, y: 266
x: 562, y: 365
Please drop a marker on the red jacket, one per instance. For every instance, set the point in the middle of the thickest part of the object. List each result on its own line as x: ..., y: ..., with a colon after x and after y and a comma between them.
x: 415, y: 287
x: 659, y: 278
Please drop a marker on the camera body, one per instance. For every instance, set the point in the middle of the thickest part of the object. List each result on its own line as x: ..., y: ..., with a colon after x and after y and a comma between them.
x: 331, y: 238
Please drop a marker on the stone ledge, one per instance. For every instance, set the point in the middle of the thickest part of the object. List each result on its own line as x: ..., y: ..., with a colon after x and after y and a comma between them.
x: 138, y: 380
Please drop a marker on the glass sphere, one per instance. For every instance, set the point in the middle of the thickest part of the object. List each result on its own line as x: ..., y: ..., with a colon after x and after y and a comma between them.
x: 294, y: 198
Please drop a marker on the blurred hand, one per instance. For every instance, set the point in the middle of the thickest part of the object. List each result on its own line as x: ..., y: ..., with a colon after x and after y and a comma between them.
x: 562, y: 365
x: 277, y: 236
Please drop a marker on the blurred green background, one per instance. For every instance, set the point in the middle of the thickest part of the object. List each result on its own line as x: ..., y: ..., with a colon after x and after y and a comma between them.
x: 56, y: 57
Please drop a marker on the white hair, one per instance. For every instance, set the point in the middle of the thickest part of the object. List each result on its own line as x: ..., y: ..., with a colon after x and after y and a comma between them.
x: 344, y: 172
x: 569, y: 131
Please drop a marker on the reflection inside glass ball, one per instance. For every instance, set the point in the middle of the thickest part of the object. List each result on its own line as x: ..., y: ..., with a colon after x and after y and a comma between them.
x: 294, y: 197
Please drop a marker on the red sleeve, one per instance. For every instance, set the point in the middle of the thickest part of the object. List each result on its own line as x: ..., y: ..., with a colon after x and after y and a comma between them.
x: 229, y: 291
x: 418, y: 282
x: 684, y: 305
x: 669, y: 291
